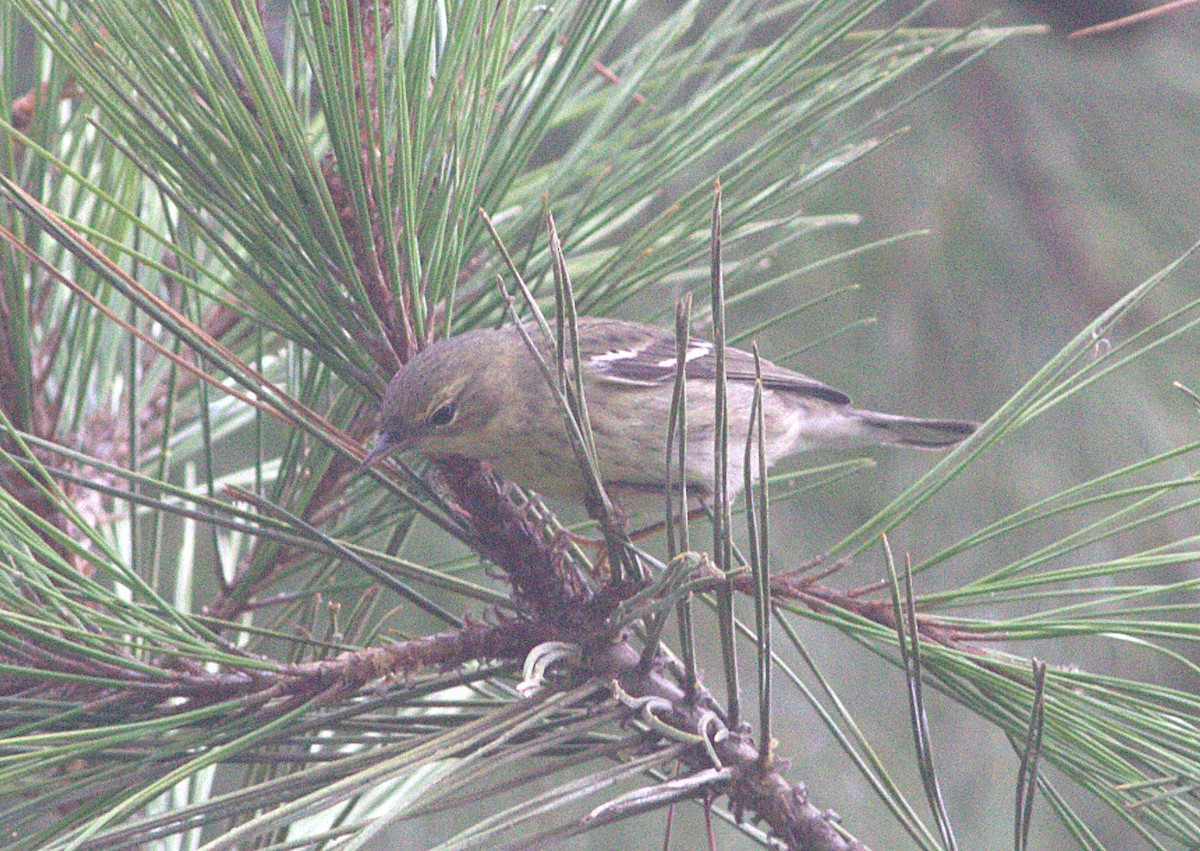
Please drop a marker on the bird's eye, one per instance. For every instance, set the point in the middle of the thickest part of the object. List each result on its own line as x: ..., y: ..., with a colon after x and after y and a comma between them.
x: 443, y: 415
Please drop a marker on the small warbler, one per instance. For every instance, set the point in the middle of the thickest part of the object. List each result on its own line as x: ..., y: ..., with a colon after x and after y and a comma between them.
x: 480, y: 395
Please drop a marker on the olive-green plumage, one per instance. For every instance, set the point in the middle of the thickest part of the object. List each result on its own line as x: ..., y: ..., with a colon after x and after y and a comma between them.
x: 481, y: 395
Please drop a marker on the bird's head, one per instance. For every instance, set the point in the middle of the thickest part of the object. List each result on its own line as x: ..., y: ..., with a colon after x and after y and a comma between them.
x: 444, y: 400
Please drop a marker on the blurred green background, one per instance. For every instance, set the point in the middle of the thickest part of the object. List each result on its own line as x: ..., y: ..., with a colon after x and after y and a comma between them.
x: 1053, y: 176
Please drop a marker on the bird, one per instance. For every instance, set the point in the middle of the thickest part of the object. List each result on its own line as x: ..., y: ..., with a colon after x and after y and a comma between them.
x: 481, y: 395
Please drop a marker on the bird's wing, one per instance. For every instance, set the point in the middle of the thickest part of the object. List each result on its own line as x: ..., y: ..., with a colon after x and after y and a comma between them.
x: 644, y: 356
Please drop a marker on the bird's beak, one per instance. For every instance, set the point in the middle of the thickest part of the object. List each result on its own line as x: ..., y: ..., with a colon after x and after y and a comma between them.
x: 382, y: 446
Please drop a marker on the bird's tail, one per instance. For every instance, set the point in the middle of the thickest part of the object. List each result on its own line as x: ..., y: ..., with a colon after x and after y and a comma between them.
x: 910, y: 431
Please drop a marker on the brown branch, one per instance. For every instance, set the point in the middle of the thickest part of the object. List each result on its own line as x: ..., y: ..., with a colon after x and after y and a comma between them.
x: 799, y: 586
x: 508, y: 640
x: 756, y: 785
x: 545, y: 585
